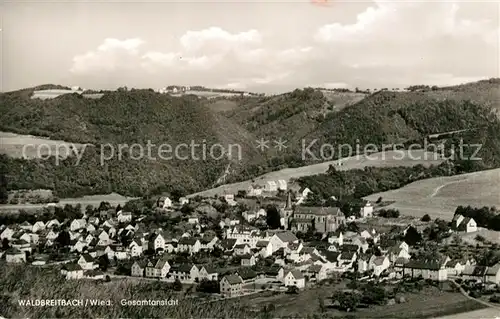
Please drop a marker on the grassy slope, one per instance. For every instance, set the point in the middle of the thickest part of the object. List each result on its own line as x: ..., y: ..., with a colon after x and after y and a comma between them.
x: 384, y: 159
x: 439, y: 197
x: 38, y: 283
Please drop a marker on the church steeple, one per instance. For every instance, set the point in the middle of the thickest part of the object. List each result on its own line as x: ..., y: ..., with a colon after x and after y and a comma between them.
x: 288, y: 205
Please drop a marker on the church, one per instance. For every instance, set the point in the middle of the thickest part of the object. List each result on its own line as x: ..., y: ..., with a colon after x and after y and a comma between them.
x: 301, y: 218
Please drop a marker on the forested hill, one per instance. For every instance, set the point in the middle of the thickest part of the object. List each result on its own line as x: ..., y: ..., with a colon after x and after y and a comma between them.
x: 140, y: 115
x: 130, y: 117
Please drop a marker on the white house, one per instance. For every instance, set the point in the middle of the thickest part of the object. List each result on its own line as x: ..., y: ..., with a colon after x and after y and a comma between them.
x: 7, y: 233
x: 15, y: 256
x: 135, y: 248
x: 294, y: 278
x: 167, y: 202
x: 282, y: 185
x: 38, y: 226
x: 86, y: 262
x: 367, y: 210
x: 379, y: 264
x: 77, y: 224
x: 254, y: 190
x: 124, y: 217
x: 266, y: 248
x: 157, y: 242
x: 183, y: 201
x: 465, y: 224
x: 282, y: 239
x: 271, y: 186
x: 52, y: 223
x: 302, y: 196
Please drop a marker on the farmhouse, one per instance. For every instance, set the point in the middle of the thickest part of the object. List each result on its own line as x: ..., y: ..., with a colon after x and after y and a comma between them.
x: 463, y: 224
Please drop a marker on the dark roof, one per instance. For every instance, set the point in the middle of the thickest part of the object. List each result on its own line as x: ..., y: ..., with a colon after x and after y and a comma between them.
x: 188, y: 241
x: 350, y: 248
x: 423, y: 264
x: 347, y: 255
x: 331, y: 256
x: 228, y: 243
x: 234, y: 279
x: 262, y: 243
x: 286, y: 236
x: 182, y: 268
x: 72, y: 267
x: 88, y: 258
x: 141, y: 263
x: 334, y: 211
x: 296, y: 274
x: 247, y: 256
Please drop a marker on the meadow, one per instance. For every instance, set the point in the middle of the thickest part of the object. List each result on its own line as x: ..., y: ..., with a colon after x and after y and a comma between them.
x: 439, y: 197
x: 11, y: 144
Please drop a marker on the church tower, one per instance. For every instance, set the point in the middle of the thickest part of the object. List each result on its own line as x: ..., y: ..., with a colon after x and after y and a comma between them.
x: 287, y: 211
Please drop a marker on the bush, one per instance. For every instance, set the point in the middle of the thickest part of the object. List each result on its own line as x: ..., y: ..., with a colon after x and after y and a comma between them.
x: 426, y: 218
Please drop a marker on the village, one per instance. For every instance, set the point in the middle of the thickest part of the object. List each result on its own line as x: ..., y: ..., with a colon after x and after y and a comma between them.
x: 264, y: 238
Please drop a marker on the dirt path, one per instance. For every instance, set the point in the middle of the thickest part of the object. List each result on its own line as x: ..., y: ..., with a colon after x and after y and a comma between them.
x: 463, y: 292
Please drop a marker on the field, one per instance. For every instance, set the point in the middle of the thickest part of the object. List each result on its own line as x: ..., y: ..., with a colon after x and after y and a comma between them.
x: 439, y: 197
x: 342, y: 99
x: 470, y: 238
x: 428, y: 303
x: 12, y: 145
x: 382, y: 159
x: 94, y: 200
x: 488, y: 313
x: 28, y: 282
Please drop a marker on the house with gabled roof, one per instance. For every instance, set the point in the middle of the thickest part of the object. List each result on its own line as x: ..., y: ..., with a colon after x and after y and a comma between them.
x: 282, y: 239
x: 186, y: 273
x: 378, y: 264
x: 26, y: 226
x: 242, y: 249
x: 294, y: 278
x: 231, y: 286
x: 190, y: 245
x: 227, y: 244
x: 264, y: 248
x: 135, y: 248
x: 15, y: 256
x: 248, y: 260
x: 77, y: 224
x: 138, y: 267
x: 426, y: 269
x: 72, y: 271
x: 493, y: 274
x: 156, y: 242
x: 7, y: 233
x: 208, y: 272
x: 87, y: 262
x: 52, y: 223
x: 38, y: 226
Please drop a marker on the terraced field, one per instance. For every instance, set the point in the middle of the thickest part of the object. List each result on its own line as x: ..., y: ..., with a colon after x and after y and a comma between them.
x: 439, y: 197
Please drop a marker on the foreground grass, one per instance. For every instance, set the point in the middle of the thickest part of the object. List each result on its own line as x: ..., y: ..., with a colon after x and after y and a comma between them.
x: 25, y: 282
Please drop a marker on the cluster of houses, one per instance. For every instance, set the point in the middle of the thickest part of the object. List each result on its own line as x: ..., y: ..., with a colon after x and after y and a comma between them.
x: 124, y: 237
x: 256, y: 190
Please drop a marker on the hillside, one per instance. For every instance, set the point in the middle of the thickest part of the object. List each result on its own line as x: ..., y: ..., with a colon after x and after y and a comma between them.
x: 299, y: 117
x: 139, y: 116
x: 439, y: 197
x: 383, y: 159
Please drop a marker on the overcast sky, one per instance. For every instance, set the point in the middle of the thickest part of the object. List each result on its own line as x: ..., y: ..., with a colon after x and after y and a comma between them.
x: 267, y: 46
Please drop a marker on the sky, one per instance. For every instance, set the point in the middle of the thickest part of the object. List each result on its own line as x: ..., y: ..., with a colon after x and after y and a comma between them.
x: 262, y: 46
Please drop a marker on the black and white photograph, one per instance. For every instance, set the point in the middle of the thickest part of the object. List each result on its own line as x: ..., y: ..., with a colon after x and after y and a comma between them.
x: 263, y: 159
